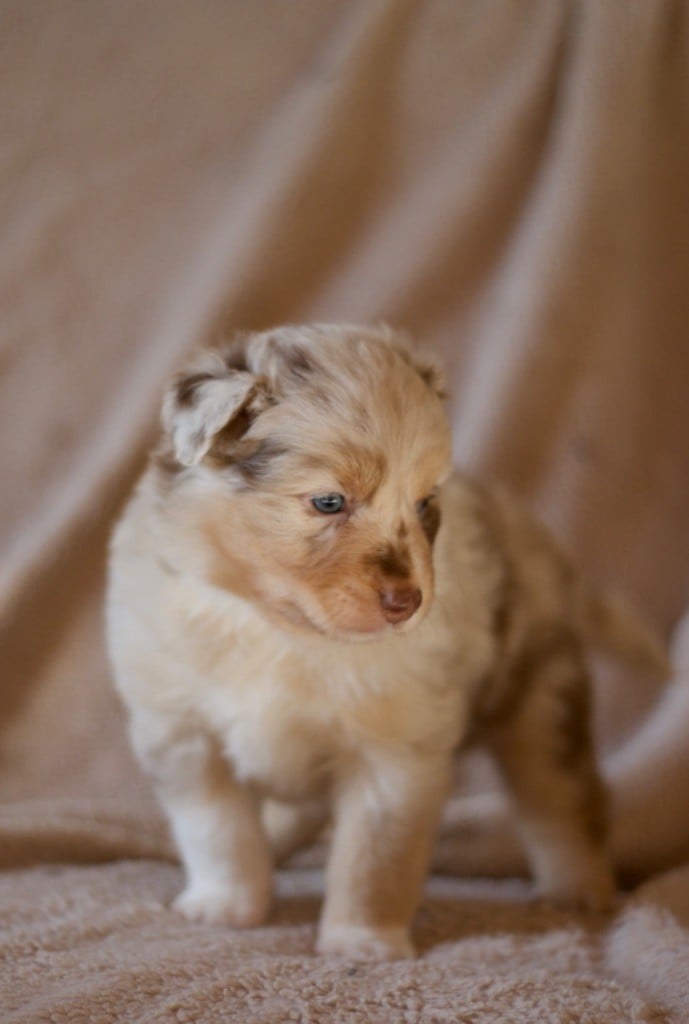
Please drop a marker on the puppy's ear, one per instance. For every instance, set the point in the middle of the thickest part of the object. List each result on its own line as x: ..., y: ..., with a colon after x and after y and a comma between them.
x: 429, y: 371
x: 209, y: 399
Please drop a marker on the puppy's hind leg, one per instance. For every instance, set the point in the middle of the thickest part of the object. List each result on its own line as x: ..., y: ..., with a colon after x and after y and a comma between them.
x: 215, y: 823
x: 291, y: 826
x: 544, y: 750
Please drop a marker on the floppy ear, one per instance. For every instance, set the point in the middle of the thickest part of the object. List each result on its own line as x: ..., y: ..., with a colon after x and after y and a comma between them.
x: 209, y: 399
x: 428, y: 370
x: 431, y: 374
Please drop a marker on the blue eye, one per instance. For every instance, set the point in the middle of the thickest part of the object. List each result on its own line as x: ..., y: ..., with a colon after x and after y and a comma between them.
x: 329, y: 504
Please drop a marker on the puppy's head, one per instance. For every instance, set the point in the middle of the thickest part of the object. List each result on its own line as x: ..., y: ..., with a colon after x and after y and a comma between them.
x: 309, y: 459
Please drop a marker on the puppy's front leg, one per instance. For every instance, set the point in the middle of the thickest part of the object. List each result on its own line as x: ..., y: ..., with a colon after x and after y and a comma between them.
x: 216, y: 825
x: 386, y: 815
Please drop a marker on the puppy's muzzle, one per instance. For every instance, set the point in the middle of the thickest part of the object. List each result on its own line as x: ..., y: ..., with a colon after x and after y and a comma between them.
x: 399, y: 602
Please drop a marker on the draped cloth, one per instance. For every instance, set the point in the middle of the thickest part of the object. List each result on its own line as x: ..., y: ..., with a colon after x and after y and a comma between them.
x: 508, y: 182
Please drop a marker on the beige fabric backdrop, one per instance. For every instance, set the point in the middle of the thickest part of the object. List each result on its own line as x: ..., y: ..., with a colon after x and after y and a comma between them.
x: 506, y: 179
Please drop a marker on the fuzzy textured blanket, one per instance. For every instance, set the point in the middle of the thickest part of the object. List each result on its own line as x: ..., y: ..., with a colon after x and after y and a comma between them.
x: 508, y: 181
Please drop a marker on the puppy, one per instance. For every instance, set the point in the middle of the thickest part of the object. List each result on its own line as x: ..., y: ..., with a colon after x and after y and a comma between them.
x: 308, y: 612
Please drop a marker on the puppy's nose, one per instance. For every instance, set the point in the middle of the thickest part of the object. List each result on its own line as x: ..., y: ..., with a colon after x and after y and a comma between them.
x: 399, y: 602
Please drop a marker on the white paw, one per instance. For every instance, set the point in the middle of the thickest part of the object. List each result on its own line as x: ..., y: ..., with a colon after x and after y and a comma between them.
x: 360, y: 942
x: 238, y: 905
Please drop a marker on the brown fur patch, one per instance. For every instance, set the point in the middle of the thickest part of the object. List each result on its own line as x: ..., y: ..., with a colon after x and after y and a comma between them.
x: 429, y: 517
x: 391, y: 561
x: 234, y: 354
x: 187, y: 386
x: 257, y: 466
x: 502, y: 697
x: 227, y: 437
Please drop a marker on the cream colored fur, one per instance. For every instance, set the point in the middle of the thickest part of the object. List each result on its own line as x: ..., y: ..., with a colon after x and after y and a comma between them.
x: 269, y: 687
